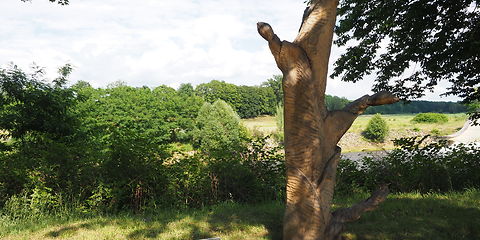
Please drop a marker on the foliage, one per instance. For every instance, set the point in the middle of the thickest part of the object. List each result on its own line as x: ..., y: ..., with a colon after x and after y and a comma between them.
x: 186, y: 89
x: 430, y: 118
x: 118, y: 154
x: 418, y: 107
x: 255, y: 173
x: 414, y: 167
x: 377, y: 129
x: 427, y: 41
x: 247, y: 101
x: 335, y: 103
x: 28, y: 104
x: 275, y: 83
x: 61, y: 2
x: 474, y: 110
x: 218, y: 130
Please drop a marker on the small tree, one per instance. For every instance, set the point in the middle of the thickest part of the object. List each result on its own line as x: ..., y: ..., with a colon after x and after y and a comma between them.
x: 218, y: 129
x: 377, y: 129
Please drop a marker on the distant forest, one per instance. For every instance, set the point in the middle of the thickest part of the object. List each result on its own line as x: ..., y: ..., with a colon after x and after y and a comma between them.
x: 252, y: 101
x: 334, y: 102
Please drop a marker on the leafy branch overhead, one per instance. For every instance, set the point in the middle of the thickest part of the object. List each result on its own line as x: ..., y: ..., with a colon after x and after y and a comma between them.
x: 61, y: 2
x: 427, y: 41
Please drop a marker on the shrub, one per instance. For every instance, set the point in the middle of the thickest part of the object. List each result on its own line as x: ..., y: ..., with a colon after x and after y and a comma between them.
x: 433, y: 167
x: 255, y: 174
x: 377, y: 129
x: 435, y: 132
x: 219, y: 132
x: 430, y: 118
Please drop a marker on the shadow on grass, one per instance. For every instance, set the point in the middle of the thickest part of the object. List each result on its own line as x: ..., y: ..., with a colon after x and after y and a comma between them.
x: 403, y: 216
x: 423, y: 218
x: 70, y: 230
x: 225, y: 218
x: 194, y: 232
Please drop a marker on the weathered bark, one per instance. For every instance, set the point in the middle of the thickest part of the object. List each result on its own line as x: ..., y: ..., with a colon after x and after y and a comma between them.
x: 311, y: 131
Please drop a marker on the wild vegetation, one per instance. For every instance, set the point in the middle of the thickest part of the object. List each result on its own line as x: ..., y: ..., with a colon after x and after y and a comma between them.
x: 377, y: 129
x: 124, y: 148
x: 85, y: 150
x: 430, y: 118
x: 418, y: 216
x: 118, y: 151
x: 414, y: 167
x: 400, y: 125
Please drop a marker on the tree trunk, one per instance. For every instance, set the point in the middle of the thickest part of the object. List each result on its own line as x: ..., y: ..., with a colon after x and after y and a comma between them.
x: 311, y: 131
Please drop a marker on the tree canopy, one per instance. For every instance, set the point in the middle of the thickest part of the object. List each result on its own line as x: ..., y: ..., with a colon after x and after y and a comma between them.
x: 427, y: 41
x: 61, y: 2
x: 29, y: 104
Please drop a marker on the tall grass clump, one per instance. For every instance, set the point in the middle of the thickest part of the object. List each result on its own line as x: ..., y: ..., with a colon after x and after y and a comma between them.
x: 377, y: 129
x: 430, y: 118
x: 279, y: 119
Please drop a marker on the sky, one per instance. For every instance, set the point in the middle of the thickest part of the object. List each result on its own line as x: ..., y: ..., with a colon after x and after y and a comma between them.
x: 155, y: 42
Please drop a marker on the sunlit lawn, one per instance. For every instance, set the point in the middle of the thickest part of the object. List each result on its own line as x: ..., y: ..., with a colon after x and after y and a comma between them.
x: 402, y: 216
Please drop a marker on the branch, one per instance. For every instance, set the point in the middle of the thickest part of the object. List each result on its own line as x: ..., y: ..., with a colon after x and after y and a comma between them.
x: 266, y: 31
x: 338, y: 122
x: 360, y: 105
x: 344, y: 215
x: 287, y: 55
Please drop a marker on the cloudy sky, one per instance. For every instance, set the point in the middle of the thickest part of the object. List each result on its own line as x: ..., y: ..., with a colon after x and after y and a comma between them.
x: 154, y: 42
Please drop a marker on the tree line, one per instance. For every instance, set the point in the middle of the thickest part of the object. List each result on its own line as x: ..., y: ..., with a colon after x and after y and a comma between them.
x: 334, y: 102
x: 253, y: 101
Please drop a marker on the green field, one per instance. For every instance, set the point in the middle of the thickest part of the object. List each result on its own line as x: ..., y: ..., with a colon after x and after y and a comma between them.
x: 402, y: 216
x: 400, y: 125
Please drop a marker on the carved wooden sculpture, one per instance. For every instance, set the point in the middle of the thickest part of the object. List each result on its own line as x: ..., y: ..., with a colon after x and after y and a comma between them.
x: 311, y: 131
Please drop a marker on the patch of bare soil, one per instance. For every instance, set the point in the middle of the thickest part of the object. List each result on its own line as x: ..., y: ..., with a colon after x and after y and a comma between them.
x: 355, y: 142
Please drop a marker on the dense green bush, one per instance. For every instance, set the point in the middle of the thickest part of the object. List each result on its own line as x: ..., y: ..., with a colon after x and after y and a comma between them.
x: 218, y: 130
x: 377, y: 129
x: 116, y: 149
x: 430, y: 118
x: 434, y: 167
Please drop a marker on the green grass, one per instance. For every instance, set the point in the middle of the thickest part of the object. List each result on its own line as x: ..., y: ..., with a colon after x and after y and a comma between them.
x: 402, y: 216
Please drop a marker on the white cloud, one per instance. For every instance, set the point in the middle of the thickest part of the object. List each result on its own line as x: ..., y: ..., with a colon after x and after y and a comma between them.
x: 153, y: 42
